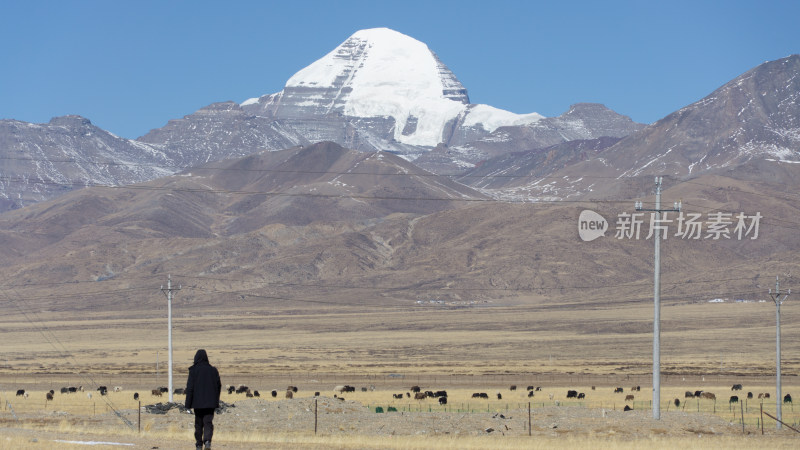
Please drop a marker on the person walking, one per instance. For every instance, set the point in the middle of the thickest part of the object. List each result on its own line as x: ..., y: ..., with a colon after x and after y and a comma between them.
x: 203, y: 388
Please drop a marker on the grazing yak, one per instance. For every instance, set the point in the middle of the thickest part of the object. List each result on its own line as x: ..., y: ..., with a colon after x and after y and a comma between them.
x: 289, y: 394
x: 442, y: 400
x: 530, y: 394
x: 688, y: 394
x: 627, y: 408
x: 677, y: 403
x: 618, y: 390
x: 733, y: 399
x: 49, y: 396
x: 581, y: 395
x: 274, y: 393
x: 420, y: 396
x: 708, y: 395
x: 787, y: 398
x: 398, y: 396
x: 20, y: 392
x: 629, y: 397
x: 136, y: 396
x: 156, y: 392
x: 572, y: 394
x: 736, y: 387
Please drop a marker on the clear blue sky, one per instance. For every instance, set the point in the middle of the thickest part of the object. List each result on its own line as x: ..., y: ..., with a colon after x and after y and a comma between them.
x: 130, y: 66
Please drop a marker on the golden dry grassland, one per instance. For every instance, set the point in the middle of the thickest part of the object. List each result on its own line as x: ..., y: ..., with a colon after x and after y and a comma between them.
x: 524, y: 338
x: 463, y: 350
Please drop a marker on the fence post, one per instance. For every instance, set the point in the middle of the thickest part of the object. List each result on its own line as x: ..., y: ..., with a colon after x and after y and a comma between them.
x: 529, y: 418
x: 741, y: 407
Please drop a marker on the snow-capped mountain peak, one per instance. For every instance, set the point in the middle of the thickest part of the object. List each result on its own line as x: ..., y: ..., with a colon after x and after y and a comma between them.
x: 381, y: 73
x: 380, y: 58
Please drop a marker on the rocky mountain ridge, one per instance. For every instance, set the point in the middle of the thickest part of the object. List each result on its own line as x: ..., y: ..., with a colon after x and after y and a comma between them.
x: 378, y: 91
x: 323, y: 225
x: 42, y: 161
x: 752, y: 119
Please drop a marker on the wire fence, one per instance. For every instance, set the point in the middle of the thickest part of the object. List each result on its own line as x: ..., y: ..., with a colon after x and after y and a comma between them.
x: 745, y: 411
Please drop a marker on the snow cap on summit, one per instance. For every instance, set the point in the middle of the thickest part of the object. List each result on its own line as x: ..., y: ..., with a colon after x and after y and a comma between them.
x: 389, y: 74
x: 380, y: 72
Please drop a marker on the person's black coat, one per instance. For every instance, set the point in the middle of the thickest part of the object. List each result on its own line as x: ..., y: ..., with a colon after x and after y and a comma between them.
x: 203, y: 386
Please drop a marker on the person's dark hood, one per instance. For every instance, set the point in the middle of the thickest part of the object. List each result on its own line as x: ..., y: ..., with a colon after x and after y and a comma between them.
x: 200, y: 356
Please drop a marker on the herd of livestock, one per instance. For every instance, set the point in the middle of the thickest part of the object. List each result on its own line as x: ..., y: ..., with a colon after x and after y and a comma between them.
x: 415, y: 391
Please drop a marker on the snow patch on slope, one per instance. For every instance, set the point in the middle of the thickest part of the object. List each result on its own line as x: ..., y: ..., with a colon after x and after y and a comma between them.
x: 492, y: 118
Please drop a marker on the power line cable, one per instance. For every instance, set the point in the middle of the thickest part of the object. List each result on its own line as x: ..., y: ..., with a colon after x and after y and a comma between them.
x: 51, y: 338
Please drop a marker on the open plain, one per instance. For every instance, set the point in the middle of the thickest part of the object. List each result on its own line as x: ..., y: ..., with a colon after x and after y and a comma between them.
x: 384, y: 350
